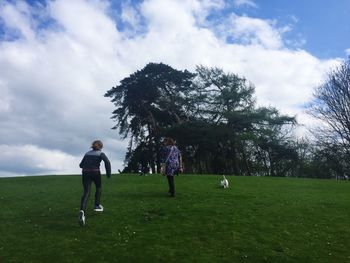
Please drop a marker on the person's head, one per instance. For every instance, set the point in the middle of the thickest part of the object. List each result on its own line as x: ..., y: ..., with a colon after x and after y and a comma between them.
x: 169, y: 141
x: 97, y: 145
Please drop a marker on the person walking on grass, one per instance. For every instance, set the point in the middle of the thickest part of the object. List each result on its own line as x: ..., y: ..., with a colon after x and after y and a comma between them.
x: 171, y: 163
x: 90, y: 165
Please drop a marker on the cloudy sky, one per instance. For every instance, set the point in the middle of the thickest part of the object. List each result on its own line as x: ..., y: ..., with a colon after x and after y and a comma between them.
x: 58, y: 58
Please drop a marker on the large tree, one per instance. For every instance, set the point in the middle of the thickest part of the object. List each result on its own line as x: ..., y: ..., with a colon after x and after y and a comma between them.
x: 147, y: 101
x: 212, y: 116
x: 228, y: 129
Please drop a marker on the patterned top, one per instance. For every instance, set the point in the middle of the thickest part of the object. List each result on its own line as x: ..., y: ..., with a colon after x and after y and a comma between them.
x: 171, y: 157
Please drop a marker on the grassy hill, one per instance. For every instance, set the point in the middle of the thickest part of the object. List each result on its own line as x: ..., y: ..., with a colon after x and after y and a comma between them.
x: 258, y: 219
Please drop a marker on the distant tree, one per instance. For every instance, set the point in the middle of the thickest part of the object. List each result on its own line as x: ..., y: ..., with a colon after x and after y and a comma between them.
x: 305, y: 153
x: 274, y: 152
x: 138, y: 159
x: 331, y: 105
x: 328, y: 161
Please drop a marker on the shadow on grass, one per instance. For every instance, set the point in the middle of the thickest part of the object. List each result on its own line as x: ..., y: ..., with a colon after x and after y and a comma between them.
x: 140, y: 195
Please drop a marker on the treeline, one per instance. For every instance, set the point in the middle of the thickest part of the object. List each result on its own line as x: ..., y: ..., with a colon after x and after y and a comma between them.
x: 215, y: 121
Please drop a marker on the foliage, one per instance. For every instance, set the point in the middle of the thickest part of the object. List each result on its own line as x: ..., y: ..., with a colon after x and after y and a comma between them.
x: 211, y: 114
x: 331, y: 105
x: 148, y: 100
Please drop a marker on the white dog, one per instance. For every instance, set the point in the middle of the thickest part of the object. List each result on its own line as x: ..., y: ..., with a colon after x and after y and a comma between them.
x: 224, y: 183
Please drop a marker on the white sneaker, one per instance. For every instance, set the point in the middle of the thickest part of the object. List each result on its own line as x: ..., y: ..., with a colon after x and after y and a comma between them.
x: 98, y: 208
x: 81, y: 218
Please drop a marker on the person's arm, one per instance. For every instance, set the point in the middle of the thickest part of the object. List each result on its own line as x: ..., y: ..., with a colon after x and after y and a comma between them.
x: 81, y: 165
x: 107, y: 164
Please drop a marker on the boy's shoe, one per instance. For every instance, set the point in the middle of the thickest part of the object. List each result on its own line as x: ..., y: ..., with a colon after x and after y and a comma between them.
x: 81, y: 218
x: 98, y: 208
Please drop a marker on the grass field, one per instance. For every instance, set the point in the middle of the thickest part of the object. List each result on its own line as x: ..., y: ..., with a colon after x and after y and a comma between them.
x: 258, y: 219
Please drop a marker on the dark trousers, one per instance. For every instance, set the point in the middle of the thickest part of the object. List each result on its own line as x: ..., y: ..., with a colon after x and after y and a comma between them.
x: 87, y: 178
x: 171, y: 185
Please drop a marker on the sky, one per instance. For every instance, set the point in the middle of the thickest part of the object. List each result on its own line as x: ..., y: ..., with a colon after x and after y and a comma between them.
x: 59, y: 57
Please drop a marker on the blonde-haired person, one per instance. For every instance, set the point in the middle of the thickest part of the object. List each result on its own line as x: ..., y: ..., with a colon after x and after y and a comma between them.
x: 172, y: 159
x: 90, y: 165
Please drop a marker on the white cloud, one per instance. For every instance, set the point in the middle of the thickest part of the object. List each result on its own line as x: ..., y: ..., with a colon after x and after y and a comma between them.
x: 17, y: 17
x: 87, y: 24
x: 31, y: 159
x: 249, y: 3
x: 347, y: 51
x: 52, y: 81
x: 5, y: 98
x: 253, y: 31
x: 24, y: 158
x: 130, y: 15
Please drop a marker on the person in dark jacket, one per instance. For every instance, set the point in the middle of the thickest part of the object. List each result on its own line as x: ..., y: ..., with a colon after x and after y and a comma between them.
x: 90, y: 165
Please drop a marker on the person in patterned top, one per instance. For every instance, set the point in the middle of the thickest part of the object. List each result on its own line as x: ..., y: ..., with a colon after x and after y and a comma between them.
x: 172, y: 160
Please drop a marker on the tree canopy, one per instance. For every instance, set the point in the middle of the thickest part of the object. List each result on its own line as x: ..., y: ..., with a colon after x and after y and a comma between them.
x: 210, y: 113
x: 331, y: 105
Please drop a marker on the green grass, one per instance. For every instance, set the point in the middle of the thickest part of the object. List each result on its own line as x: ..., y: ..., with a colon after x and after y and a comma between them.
x: 258, y: 219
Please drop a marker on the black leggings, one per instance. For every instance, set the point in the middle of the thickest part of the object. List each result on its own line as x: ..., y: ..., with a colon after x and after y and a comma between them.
x: 87, y: 179
x: 171, y: 185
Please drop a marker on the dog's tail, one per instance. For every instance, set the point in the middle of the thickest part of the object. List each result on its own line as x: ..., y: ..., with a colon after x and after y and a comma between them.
x: 224, y: 177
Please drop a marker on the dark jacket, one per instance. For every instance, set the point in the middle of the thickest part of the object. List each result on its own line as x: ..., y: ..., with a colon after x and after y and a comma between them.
x: 92, y: 160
